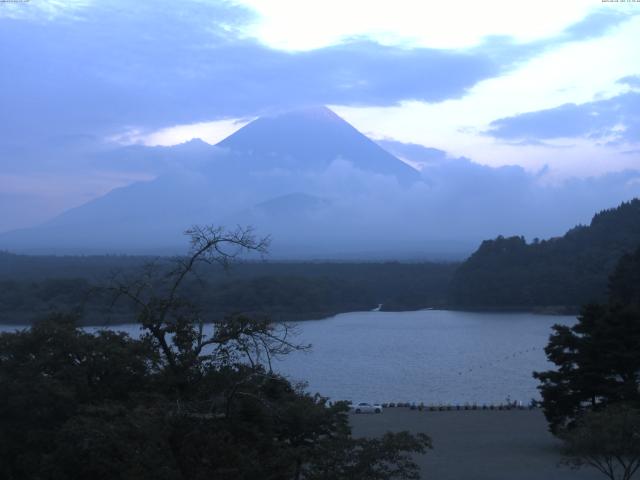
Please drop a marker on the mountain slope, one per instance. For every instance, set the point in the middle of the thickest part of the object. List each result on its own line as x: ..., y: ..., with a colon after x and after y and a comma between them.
x: 309, y: 140
x: 566, y: 271
x: 266, y: 160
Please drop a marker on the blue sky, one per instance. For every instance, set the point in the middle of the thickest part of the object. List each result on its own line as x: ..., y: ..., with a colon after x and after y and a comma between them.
x: 553, y: 87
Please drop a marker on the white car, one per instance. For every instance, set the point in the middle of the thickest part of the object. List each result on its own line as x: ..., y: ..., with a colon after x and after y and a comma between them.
x: 366, y: 408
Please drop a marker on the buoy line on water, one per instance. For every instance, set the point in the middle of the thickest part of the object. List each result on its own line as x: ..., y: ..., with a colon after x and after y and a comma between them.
x: 460, y: 407
x: 497, y: 361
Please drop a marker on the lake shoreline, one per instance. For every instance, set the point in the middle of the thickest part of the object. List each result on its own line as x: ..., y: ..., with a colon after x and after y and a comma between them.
x: 91, y: 320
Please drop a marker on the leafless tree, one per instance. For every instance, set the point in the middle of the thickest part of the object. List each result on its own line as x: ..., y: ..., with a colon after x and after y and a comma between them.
x: 176, y: 325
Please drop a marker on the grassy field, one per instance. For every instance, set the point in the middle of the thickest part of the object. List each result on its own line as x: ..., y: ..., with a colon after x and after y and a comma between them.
x: 479, y: 445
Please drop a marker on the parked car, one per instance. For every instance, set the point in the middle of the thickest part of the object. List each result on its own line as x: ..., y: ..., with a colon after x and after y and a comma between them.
x: 366, y: 408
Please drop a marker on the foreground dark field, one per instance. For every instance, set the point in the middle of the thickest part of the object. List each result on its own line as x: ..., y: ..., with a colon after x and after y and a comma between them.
x: 478, y: 445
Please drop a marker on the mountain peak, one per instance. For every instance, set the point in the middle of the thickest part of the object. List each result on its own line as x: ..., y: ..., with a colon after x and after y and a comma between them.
x: 310, y: 139
x: 315, y: 112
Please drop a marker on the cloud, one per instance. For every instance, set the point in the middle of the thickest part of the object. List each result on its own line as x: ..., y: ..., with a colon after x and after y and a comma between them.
x: 69, y: 79
x: 210, y: 132
x: 416, y: 23
x: 632, y: 81
x: 596, y: 24
x: 615, y: 120
x: 456, y: 205
x: 413, y: 153
x: 44, y: 11
x: 575, y: 72
x: 112, y: 67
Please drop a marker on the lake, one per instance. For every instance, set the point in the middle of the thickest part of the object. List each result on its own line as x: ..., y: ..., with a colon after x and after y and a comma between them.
x: 430, y: 356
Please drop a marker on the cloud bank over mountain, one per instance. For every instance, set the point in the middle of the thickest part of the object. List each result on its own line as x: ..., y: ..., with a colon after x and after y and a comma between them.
x: 321, y: 189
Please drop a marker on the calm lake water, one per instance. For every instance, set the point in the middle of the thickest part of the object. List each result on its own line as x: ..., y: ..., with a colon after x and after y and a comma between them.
x: 431, y: 356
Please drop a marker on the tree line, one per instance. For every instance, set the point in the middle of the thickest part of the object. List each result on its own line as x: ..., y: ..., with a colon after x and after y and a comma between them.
x: 287, y: 291
x: 566, y: 271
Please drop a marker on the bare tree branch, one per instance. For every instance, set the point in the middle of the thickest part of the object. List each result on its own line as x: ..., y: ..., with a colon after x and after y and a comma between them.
x: 175, y: 323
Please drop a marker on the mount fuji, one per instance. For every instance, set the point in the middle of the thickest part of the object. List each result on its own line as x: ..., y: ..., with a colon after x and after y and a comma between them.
x: 291, y: 175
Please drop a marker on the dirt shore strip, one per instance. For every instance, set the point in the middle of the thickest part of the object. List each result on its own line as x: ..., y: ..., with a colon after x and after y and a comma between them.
x: 478, y: 445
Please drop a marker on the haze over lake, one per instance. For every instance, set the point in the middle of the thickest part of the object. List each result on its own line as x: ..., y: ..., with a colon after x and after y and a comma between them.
x: 431, y: 356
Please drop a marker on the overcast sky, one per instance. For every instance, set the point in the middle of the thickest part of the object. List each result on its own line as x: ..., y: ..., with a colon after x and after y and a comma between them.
x: 552, y: 86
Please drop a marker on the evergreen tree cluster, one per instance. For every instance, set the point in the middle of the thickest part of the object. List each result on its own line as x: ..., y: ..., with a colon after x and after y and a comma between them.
x: 566, y: 271
x: 597, y: 359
